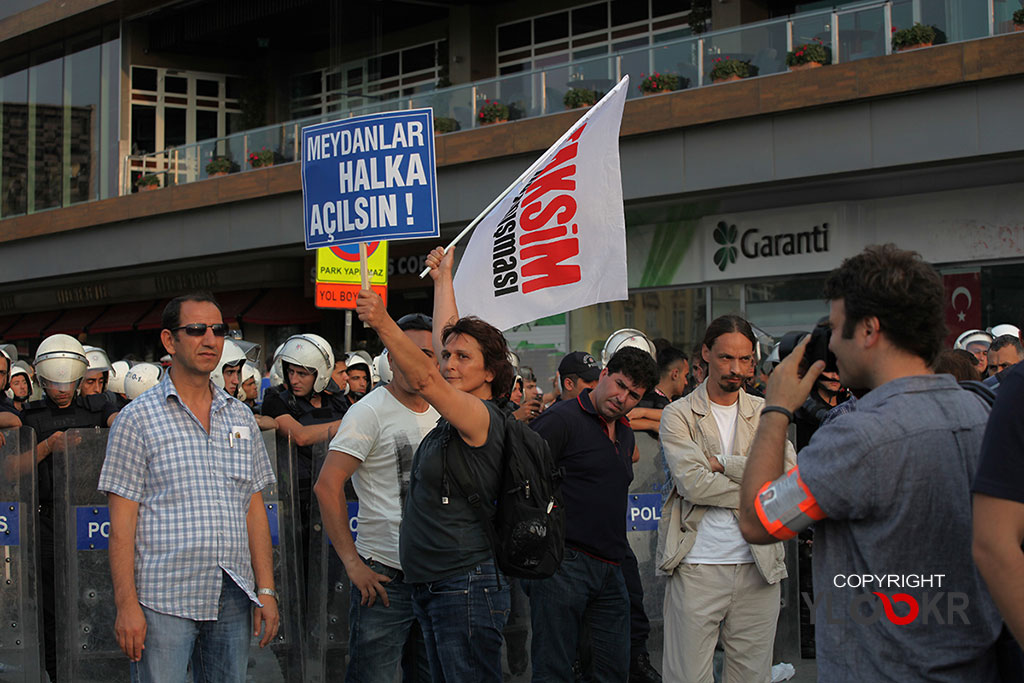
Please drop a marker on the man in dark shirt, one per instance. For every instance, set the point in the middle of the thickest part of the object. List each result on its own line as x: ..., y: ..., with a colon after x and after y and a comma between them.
x: 591, y: 439
x: 999, y: 507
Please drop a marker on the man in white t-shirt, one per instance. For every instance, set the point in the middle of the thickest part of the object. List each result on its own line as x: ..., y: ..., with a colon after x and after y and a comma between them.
x: 717, y: 580
x: 374, y: 446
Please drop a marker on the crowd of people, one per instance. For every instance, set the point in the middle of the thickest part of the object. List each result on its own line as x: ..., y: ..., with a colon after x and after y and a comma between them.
x: 894, y: 439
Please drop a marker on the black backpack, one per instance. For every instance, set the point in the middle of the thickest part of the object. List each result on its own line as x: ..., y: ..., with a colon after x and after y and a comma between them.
x: 528, y: 532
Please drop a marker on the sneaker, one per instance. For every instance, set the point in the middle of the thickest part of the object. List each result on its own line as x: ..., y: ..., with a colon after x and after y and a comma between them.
x: 641, y: 671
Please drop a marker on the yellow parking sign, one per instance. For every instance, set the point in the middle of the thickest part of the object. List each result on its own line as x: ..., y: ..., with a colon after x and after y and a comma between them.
x: 341, y: 264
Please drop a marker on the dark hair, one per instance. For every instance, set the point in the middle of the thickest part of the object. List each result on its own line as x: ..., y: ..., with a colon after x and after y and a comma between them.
x: 492, y: 345
x: 635, y: 364
x: 1005, y: 340
x: 957, y: 362
x: 415, y: 321
x: 727, y: 324
x: 669, y: 356
x: 172, y: 311
x: 898, y: 288
x: 660, y: 344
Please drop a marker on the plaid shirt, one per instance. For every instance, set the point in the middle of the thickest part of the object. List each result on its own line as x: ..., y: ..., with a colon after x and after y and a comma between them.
x: 193, y: 491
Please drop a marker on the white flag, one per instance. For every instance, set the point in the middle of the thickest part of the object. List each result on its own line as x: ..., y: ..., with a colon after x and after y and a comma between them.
x: 557, y: 241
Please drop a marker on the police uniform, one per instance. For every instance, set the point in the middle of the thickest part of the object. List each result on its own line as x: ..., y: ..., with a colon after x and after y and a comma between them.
x: 46, y: 419
x: 332, y: 408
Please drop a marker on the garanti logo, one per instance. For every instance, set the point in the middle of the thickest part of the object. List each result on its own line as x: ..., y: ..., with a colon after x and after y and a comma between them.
x: 725, y: 235
x: 754, y: 245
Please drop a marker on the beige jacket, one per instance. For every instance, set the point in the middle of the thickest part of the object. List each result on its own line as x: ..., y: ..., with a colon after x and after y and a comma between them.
x: 689, y: 434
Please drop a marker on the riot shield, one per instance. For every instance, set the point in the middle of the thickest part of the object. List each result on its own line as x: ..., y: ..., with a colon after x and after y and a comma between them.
x: 21, y: 651
x: 87, y: 649
x: 328, y: 590
x: 282, y: 659
x: 642, y: 516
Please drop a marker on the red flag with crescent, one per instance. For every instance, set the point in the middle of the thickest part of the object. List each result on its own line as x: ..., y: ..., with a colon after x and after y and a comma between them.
x: 963, y: 304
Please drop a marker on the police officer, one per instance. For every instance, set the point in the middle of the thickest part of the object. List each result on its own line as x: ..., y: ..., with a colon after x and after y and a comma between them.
x: 10, y: 416
x: 60, y: 367
x: 97, y: 374
x: 304, y: 409
x: 228, y: 373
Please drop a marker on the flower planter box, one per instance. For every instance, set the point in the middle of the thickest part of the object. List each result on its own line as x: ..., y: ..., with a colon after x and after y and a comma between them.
x: 1018, y: 27
x: 805, y: 66
x: 148, y: 188
x: 733, y: 77
x: 488, y: 123
x: 217, y: 174
x: 654, y: 92
x: 912, y: 47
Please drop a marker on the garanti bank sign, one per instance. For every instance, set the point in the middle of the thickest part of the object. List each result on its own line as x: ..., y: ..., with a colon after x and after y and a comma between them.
x: 767, y: 244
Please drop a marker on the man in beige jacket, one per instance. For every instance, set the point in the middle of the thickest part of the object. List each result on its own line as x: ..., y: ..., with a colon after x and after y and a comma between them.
x: 717, y: 580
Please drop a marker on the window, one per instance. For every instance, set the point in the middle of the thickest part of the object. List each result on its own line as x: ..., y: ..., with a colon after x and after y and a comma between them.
x: 414, y: 69
x: 556, y: 37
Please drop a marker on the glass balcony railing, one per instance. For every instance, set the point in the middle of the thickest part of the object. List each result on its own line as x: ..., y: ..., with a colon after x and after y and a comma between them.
x: 850, y: 32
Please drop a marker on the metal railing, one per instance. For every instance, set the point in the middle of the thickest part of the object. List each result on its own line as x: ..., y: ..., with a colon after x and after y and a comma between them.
x: 850, y: 32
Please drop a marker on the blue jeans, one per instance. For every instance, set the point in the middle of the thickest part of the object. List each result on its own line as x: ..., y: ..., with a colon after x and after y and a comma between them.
x: 585, y: 600
x: 380, y: 637
x: 218, y: 650
x: 462, y: 619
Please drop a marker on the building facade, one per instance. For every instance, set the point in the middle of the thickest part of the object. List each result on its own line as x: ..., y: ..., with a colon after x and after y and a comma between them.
x: 740, y: 196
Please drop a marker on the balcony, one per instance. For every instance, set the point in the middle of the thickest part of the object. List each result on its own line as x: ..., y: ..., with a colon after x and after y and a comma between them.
x: 849, y: 33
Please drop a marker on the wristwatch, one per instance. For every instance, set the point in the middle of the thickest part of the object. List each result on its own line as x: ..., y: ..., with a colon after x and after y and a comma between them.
x: 269, y: 591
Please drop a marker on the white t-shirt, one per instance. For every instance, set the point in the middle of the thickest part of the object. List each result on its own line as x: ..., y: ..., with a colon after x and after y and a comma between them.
x: 719, y: 540
x: 384, y: 434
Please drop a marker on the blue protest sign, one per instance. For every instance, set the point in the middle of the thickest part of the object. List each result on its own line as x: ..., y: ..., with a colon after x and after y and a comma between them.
x: 370, y: 178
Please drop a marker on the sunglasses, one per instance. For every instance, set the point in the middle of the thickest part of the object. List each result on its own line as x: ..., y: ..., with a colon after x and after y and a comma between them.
x: 199, y: 329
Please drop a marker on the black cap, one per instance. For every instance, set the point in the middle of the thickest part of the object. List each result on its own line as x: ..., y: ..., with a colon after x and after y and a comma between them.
x: 579, y: 363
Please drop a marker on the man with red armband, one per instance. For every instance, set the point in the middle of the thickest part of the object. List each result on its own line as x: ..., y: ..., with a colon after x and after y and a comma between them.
x: 887, y: 486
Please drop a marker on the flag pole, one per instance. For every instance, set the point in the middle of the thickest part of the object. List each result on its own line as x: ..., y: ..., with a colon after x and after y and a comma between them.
x: 529, y: 171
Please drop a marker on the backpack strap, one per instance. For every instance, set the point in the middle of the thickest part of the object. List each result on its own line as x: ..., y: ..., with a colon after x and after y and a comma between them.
x: 468, y: 485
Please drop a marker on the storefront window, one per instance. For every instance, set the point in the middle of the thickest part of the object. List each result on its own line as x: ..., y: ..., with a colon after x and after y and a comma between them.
x: 678, y: 315
x: 782, y: 306
x: 1000, y: 295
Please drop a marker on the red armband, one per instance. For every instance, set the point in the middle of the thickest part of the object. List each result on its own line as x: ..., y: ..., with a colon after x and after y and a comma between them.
x: 786, y: 507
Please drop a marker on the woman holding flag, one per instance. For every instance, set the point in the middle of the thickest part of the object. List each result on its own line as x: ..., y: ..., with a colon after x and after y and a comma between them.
x: 461, y: 604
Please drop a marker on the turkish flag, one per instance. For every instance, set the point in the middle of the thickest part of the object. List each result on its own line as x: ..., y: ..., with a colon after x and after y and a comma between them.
x: 963, y: 304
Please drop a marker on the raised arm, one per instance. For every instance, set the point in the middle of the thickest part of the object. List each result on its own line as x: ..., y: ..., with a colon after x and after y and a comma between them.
x: 445, y: 310
x: 465, y: 412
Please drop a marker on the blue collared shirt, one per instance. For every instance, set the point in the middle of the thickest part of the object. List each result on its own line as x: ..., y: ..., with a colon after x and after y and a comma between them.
x: 193, y: 491
x: 894, y: 479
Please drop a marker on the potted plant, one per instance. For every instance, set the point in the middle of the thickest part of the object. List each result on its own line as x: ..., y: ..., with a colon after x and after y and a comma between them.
x: 659, y: 82
x: 578, y: 98
x: 809, y: 56
x: 148, y: 182
x: 445, y: 124
x: 912, y: 38
x: 492, y: 112
x: 219, y: 166
x: 262, y: 158
x: 729, y: 69
x: 1018, y: 20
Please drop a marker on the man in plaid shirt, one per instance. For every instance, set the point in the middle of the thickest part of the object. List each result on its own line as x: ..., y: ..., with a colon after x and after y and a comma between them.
x: 190, y: 549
